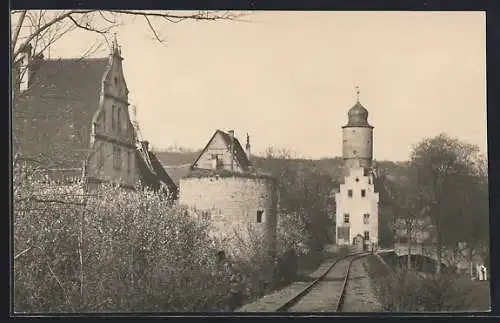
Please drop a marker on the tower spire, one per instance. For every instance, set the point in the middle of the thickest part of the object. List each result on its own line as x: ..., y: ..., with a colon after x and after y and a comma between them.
x: 114, y: 46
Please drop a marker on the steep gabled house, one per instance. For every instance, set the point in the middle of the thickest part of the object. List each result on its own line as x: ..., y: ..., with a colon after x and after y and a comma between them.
x: 72, y: 117
x: 223, y: 189
x: 224, y: 152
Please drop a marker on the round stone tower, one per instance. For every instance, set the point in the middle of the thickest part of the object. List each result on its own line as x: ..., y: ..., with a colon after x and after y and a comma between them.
x: 357, y: 146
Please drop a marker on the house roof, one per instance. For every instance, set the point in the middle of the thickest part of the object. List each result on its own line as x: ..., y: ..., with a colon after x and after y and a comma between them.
x: 52, y: 118
x: 154, y: 180
x: 161, y: 174
x: 177, y: 172
x: 239, y: 153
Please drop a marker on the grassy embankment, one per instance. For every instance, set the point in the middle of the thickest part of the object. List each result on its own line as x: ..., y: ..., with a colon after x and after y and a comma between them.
x: 400, y: 290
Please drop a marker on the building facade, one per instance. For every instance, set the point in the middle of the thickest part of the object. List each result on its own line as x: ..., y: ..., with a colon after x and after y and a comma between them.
x: 112, y: 136
x: 356, y: 214
x: 72, y: 117
x: 238, y: 202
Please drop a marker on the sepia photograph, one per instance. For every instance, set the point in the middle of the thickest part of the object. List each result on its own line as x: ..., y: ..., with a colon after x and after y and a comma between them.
x: 249, y: 162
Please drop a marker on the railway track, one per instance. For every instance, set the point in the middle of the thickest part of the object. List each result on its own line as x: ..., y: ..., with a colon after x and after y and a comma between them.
x: 326, y: 293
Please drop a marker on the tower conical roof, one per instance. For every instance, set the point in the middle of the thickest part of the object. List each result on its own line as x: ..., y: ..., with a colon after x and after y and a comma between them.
x: 358, y: 116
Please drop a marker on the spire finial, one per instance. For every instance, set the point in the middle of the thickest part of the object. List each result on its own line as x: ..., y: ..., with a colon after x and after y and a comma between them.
x: 116, y: 48
x: 248, y: 140
x: 357, y: 93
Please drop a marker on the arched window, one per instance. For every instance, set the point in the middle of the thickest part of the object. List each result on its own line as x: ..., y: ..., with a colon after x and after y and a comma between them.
x: 118, y: 119
x: 113, y: 117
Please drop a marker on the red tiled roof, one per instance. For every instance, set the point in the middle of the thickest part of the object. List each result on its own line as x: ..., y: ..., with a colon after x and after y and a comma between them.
x: 52, y: 119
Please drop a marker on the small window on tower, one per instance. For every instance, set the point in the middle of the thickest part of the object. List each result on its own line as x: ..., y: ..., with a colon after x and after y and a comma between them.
x: 118, y: 119
x: 259, y: 216
x: 366, y: 218
x: 101, y: 157
x: 363, y: 193
x: 349, y: 193
x: 346, y: 217
x: 354, y: 152
x: 129, y: 161
x: 357, y: 179
x: 367, y: 235
x: 113, y: 117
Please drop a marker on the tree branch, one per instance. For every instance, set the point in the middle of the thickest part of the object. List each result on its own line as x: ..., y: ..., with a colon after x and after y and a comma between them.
x: 18, y: 28
x: 40, y: 29
x: 153, y: 29
x: 22, y: 252
x: 87, y: 26
x: 47, y: 200
x: 177, y: 18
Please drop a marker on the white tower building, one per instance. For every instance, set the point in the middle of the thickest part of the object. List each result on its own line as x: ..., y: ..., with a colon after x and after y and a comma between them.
x: 356, y: 216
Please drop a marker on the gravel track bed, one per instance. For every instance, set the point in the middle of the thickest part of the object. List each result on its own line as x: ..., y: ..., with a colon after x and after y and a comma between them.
x: 324, y: 296
x: 272, y: 301
x: 359, y: 295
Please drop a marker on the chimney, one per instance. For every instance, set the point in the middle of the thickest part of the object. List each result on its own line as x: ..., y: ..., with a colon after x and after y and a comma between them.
x: 23, y: 67
x: 145, y: 144
x: 247, y: 147
x: 231, y: 135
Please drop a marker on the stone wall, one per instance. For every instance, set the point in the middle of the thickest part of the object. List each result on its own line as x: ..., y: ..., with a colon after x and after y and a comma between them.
x: 357, y: 145
x: 232, y: 205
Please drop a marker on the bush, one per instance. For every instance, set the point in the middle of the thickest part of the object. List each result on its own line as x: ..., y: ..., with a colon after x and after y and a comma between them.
x: 409, y: 291
x: 116, y: 250
x: 110, y: 250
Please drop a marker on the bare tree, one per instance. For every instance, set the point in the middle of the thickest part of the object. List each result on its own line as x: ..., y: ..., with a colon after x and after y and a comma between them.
x: 279, y: 153
x: 39, y: 29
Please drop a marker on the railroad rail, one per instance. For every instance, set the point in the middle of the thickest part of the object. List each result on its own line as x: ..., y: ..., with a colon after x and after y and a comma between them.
x: 336, y: 305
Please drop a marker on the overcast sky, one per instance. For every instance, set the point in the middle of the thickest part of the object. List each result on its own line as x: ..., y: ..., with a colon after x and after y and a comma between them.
x: 288, y: 78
